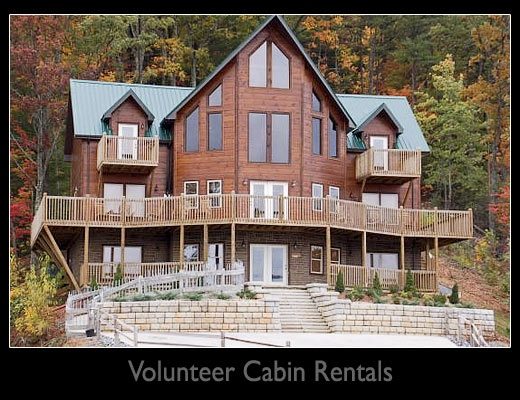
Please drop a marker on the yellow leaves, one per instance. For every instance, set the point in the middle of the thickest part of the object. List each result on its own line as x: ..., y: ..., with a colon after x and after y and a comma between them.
x: 109, y: 76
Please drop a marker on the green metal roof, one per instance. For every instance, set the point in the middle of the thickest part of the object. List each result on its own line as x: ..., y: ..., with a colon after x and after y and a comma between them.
x: 361, y: 108
x: 90, y: 100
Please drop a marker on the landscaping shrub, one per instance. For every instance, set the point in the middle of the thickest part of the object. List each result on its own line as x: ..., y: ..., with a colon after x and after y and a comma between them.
x: 428, y: 301
x: 340, y: 286
x: 142, y: 297
x: 246, y: 294
x: 376, y: 285
x: 118, y: 275
x: 465, y: 305
x: 356, y: 293
x: 168, y: 296
x: 394, y: 289
x: 409, y: 285
x: 396, y: 299
x: 454, y: 297
x: 93, y: 283
x: 439, y: 298
x: 193, y: 296
x: 223, y: 296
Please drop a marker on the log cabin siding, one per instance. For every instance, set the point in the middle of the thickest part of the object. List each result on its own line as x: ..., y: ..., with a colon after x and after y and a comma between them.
x: 129, y: 112
x: 381, y: 125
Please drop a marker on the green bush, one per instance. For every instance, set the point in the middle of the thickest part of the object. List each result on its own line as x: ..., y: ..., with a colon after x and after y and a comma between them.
x: 454, y: 297
x: 356, y: 293
x: 428, y: 301
x: 376, y: 285
x: 396, y: 299
x: 168, y: 296
x: 246, y: 294
x: 120, y: 299
x: 409, y: 285
x: 340, y: 286
x: 465, y: 305
x: 193, y: 296
x: 118, y: 275
x: 439, y: 298
x: 379, y: 300
x: 142, y: 297
x: 93, y: 283
x: 394, y: 289
x: 223, y: 296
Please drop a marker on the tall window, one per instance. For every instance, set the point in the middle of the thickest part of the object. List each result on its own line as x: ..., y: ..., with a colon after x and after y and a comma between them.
x: 270, y: 71
x: 258, y: 67
x: 276, y: 134
x: 280, y: 69
x: 214, y: 192
x: 335, y: 256
x: 192, y: 131
x: 215, y: 98
x: 316, y: 260
x: 257, y: 137
x: 334, y: 197
x: 215, y: 131
x: 316, y: 103
x: 280, y: 138
x: 317, y: 194
x: 316, y: 136
x: 333, y: 138
x: 191, y: 191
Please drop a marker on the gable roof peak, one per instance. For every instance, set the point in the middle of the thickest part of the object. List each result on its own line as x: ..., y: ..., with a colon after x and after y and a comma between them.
x: 129, y: 94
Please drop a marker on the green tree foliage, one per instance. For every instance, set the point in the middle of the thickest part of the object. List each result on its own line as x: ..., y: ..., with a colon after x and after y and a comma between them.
x: 340, y: 285
x: 454, y: 297
x: 455, y: 169
x: 376, y: 285
x: 409, y: 285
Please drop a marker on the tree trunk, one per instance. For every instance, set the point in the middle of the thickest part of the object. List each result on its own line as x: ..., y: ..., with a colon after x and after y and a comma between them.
x: 193, y: 68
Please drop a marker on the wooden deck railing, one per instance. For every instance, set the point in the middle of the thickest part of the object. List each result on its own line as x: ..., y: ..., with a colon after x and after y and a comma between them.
x: 425, y: 281
x: 389, y: 162
x: 124, y: 150
x: 242, y: 208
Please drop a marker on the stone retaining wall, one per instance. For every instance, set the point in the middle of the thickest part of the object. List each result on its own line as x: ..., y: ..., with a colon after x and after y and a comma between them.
x: 198, y: 316
x: 360, y: 317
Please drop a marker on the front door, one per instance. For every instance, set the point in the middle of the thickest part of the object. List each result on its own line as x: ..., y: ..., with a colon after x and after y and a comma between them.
x: 112, y: 258
x: 269, y: 199
x: 216, y: 256
x: 127, y: 148
x: 380, y: 157
x: 268, y: 264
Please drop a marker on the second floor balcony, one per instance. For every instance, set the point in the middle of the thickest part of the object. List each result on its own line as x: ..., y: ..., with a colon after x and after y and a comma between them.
x: 127, y: 154
x: 250, y: 209
x: 390, y: 166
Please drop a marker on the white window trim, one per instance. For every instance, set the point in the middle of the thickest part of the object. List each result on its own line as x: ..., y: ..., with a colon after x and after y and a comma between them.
x: 315, y: 202
x: 333, y: 201
x: 198, y: 251
x: 315, y: 259
x: 339, y: 252
x: 215, y: 199
x: 192, y: 200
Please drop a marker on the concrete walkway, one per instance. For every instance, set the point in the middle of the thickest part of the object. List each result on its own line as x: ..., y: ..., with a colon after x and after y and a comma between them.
x: 301, y: 340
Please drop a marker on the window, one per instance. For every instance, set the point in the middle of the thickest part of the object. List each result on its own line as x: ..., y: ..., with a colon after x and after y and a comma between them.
x: 215, y: 98
x: 383, y: 260
x: 381, y: 199
x: 277, y: 135
x: 192, y: 131
x: 191, y: 252
x: 333, y: 138
x: 214, y: 192
x: 257, y: 137
x: 216, y: 255
x: 280, y: 138
x: 277, y: 65
x: 317, y: 193
x: 316, y: 136
x: 215, y: 131
x: 316, y: 103
x: 280, y: 69
x: 112, y: 258
x: 316, y: 260
x: 335, y: 256
x: 134, y: 198
x: 334, y: 197
x: 258, y: 67
x: 191, y: 191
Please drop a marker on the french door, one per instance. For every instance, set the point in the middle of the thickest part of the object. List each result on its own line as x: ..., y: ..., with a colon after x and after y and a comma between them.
x: 112, y: 257
x: 380, y: 157
x: 269, y: 199
x: 268, y: 263
x: 127, y: 147
x: 134, y: 193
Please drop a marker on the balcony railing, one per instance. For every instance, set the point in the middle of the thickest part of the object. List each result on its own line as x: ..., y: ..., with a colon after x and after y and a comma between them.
x: 388, y: 163
x: 124, y: 150
x: 357, y: 276
x: 247, y: 209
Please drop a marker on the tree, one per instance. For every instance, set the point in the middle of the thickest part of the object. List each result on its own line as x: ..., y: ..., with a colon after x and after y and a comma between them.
x: 454, y: 297
x: 454, y: 170
x: 340, y: 285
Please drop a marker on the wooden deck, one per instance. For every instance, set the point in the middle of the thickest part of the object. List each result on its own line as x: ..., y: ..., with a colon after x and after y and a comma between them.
x: 247, y: 209
x: 388, y: 166
x: 358, y: 276
x: 127, y: 154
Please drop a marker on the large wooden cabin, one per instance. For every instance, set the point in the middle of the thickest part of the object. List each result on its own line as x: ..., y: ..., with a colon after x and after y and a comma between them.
x: 261, y: 163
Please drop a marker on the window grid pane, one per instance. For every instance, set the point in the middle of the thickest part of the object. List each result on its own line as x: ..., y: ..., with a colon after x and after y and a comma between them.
x: 316, y: 136
x: 333, y: 138
x: 215, y: 131
x: 316, y: 103
x: 215, y: 98
x: 257, y: 137
x: 192, y: 131
x: 280, y: 138
x: 258, y: 67
x: 280, y: 68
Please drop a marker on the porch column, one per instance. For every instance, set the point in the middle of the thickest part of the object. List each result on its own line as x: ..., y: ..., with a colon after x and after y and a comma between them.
x: 84, y: 267
x: 364, y: 257
x: 123, y: 239
x: 402, y: 261
x: 427, y: 254
x: 181, y: 244
x: 328, y: 256
x: 233, y: 249
x: 436, y: 244
x: 205, y: 243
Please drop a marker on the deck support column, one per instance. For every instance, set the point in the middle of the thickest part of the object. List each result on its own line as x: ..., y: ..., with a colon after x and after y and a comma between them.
x: 436, y: 244
x: 328, y: 256
x: 58, y: 256
x: 205, y: 243
x: 84, y: 267
x: 428, y: 254
x: 181, y: 245
x: 403, y: 279
x: 364, y: 257
x: 123, y: 244
x: 233, y: 247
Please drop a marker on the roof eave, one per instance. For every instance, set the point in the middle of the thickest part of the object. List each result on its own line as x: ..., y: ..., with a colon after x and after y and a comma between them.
x: 126, y: 96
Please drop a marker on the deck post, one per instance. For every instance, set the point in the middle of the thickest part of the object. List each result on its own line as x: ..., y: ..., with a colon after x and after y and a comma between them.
x: 44, y: 201
x: 233, y: 206
x: 328, y: 256
x: 181, y: 244
x: 427, y: 254
x: 123, y: 243
x: 364, y: 257
x: 402, y: 261
x: 436, y: 244
x: 84, y: 268
x: 59, y: 258
x: 205, y: 243
x: 233, y: 247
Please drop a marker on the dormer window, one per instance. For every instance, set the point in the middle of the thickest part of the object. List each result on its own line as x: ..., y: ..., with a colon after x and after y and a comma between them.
x: 272, y: 71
